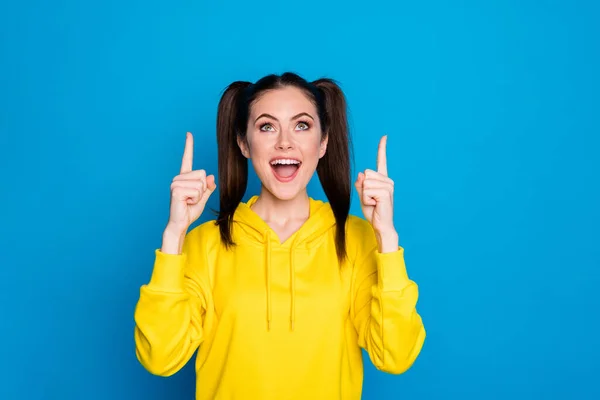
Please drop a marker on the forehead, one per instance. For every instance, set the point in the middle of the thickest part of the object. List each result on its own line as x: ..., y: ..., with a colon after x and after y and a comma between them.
x: 283, y: 102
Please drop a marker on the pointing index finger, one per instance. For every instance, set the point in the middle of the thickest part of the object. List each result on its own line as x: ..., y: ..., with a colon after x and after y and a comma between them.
x: 382, y: 156
x: 188, y: 154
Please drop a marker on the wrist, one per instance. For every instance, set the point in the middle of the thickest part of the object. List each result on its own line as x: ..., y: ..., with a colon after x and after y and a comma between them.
x: 172, y: 240
x: 174, y: 230
x: 387, y: 240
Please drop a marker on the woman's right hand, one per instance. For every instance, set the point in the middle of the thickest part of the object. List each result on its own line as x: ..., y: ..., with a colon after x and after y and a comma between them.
x: 190, y: 191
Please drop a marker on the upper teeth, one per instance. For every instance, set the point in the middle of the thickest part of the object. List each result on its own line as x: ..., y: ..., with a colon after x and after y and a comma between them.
x: 285, y: 161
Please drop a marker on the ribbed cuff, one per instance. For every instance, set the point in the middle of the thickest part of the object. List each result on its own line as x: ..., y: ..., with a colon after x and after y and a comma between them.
x: 168, y: 272
x: 392, y: 270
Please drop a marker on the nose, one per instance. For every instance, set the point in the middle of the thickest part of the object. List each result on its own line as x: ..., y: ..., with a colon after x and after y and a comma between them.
x: 283, y: 142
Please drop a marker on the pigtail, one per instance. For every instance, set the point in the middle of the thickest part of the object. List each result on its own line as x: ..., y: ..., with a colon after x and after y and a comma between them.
x: 334, y: 167
x: 233, y: 166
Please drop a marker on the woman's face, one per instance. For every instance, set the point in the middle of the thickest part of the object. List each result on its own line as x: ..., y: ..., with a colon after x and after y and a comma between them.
x: 284, y: 141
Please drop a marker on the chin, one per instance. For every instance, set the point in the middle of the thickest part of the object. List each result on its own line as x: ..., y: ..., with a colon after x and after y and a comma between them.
x: 285, y: 193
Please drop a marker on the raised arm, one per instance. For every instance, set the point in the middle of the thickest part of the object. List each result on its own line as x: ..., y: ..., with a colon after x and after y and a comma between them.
x: 384, y: 298
x: 170, y: 310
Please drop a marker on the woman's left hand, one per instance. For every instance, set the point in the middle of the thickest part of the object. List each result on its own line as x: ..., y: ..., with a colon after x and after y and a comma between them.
x: 376, y: 194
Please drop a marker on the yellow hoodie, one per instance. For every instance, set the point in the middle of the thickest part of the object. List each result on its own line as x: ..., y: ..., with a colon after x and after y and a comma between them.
x: 275, y: 320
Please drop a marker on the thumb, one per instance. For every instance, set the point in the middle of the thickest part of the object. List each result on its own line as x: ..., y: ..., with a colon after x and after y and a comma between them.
x: 210, y: 188
x: 359, y: 185
x: 210, y: 183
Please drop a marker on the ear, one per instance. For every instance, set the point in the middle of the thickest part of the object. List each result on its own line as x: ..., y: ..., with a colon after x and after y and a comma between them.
x: 323, y: 146
x: 243, y: 145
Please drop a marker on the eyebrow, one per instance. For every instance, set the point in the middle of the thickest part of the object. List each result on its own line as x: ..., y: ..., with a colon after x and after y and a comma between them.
x: 294, y: 117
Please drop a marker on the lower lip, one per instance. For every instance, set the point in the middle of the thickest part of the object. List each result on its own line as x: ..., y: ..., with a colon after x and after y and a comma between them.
x: 288, y: 179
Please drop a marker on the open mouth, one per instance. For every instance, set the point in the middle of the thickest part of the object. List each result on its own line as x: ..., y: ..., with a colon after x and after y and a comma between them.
x: 285, y: 169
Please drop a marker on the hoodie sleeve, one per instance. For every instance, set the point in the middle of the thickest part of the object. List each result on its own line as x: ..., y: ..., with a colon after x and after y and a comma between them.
x: 170, y: 311
x: 385, y: 316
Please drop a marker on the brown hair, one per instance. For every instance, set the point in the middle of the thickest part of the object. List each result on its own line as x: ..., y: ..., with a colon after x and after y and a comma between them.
x: 333, y: 168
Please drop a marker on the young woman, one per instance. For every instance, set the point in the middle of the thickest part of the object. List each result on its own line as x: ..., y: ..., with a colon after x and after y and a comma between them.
x: 279, y: 294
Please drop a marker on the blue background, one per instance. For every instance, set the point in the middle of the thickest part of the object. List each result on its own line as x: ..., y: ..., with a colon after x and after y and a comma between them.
x: 492, y: 114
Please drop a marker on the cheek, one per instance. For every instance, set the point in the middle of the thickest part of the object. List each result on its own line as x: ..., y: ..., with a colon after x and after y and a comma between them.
x: 259, y: 154
x: 322, y: 148
x: 318, y: 148
x: 256, y: 148
x: 311, y: 153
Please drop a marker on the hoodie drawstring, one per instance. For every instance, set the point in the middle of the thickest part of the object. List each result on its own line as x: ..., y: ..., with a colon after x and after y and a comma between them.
x: 320, y: 220
x: 293, y: 285
x: 268, y: 255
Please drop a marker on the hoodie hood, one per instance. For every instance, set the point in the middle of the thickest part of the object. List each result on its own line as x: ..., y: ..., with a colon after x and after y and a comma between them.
x: 248, y: 226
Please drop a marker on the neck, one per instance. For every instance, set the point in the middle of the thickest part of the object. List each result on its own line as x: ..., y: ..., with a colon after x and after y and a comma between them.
x: 273, y: 210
